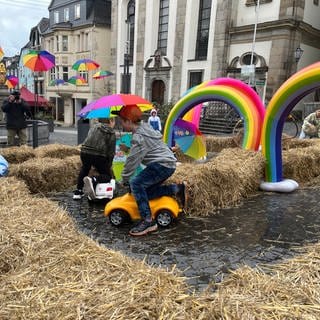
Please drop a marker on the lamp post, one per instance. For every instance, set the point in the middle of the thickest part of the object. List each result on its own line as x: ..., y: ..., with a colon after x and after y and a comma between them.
x: 252, y: 75
x: 35, y: 142
x: 298, y: 54
x: 126, y: 74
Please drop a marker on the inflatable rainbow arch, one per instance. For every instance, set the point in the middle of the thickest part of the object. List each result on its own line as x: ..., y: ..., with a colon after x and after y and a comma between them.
x: 261, y: 127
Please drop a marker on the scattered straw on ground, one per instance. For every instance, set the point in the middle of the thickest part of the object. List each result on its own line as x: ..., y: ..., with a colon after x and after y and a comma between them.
x: 48, y: 270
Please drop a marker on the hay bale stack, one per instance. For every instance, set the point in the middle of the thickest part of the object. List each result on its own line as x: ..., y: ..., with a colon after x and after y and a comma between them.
x: 222, y: 182
x: 289, y: 143
x: 57, y: 150
x: 301, y: 164
x: 44, y: 175
x: 217, y: 143
x: 18, y: 154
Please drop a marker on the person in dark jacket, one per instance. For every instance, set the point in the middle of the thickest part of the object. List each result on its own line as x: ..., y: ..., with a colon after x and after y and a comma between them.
x: 16, y: 110
x: 97, y: 151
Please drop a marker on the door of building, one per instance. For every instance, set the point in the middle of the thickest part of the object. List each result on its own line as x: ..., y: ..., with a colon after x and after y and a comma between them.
x: 158, y: 88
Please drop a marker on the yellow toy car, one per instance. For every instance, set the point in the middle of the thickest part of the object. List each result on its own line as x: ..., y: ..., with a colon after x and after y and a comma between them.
x: 164, y: 210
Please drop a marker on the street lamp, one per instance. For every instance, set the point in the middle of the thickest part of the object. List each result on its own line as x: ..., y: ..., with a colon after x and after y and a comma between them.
x: 126, y: 72
x: 298, y: 54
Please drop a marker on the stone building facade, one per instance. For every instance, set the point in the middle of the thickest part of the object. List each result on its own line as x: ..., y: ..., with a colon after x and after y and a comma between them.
x: 175, y: 44
x: 77, y: 30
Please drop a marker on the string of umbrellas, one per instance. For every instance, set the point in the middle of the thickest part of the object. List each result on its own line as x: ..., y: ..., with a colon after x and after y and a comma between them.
x: 39, y: 61
x: 186, y: 133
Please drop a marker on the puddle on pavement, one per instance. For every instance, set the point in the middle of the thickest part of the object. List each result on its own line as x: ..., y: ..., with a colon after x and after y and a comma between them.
x: 265, y: 229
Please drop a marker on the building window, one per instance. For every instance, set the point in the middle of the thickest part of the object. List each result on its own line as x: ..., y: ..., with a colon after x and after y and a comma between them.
x: 250, y: 3
x: 130, y: 22
x: 163, y: 26
x: 246, y: 59
x: 65, y: 73
x: 56, y: 17
x: 66, y: 14
x: 84, y: 74
x: 64, y: 43
x: 203, y: 29
x: 195, y: 78
x: 77, y: 11
x: 52, y: 74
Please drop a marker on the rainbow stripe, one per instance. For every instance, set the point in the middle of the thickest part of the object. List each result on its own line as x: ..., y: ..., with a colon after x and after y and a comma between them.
x: 240, y: 100
x: 279, y: 107
x: 231, y: 91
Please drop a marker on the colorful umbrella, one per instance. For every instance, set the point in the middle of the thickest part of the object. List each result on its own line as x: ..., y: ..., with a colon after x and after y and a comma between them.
x: 11, y: 81
x: 39, y: 60
x: 189, y: 139
x: 85, y: 65
x: 77, y: 80
x: 102, y: 107
x: 56, y: 82
x: 102, y: 74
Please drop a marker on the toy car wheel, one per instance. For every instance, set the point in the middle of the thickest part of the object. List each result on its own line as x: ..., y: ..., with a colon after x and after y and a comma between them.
x: 164, y: 218
x: 117, y: 217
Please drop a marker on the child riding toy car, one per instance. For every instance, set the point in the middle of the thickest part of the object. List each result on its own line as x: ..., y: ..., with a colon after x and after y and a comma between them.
x: 164, y: 210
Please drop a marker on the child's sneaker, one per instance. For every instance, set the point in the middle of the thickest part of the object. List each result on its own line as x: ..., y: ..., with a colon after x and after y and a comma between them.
x: 88, y: 188
x: 77, y: 194
x: 144, y: 227
x: 182, y: 194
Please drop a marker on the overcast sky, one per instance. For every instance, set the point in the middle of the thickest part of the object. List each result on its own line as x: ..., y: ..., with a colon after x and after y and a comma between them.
x: 17, y: 17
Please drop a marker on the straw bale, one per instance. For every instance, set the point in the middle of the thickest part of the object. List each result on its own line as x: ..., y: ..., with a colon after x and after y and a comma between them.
x: 298, y: 143
x: 11, y: 188
x: 222, y: 182
x: 43, y: 175
x: 301, y: 164
x: 57, y: 150
x: 218, y: 143
x: 17, y: 154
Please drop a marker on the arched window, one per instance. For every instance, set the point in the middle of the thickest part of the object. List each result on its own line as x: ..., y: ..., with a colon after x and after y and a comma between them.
x: 130, y: 21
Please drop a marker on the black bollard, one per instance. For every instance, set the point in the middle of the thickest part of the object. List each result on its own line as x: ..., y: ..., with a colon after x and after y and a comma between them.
x: 35, y: 142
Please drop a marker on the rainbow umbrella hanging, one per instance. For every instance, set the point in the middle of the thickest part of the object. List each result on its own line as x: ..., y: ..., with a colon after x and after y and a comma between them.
x: 102, y: 107
x: 56, y: 82
x: 39, y: 60
x: 85, y: 65
x: 77, y: 80
x: 189, y: 139
x: 102, y: 74
x: 11, y: 81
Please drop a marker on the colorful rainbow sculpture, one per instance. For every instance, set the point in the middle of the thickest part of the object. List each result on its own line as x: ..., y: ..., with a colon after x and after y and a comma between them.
x: 279, y: 107
x: 234, y: 93
x: 260, y: 126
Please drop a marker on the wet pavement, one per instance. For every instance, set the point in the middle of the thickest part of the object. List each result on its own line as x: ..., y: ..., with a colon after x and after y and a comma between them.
x: 264, y: 229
